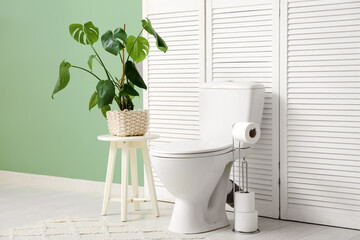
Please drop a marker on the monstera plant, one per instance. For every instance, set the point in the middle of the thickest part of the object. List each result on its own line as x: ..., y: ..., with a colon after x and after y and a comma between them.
x: 118, y: 88
x: 121, y: 89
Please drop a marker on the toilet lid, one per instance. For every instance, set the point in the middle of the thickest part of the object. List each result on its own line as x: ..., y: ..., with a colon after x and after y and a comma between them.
x: 190, y: 148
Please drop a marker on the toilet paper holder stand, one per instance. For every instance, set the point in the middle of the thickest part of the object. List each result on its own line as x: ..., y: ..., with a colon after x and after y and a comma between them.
x: 243, y: 181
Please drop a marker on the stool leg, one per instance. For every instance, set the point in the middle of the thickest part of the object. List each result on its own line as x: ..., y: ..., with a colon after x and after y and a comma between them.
x: 150, y: 178
x: 124, y: 182
x: 134, y: 177
x: 109, y: 177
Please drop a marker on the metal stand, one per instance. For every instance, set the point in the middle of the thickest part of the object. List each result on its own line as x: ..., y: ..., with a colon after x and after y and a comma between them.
x: 243, y: 181
x: 243, y: 169
x: 254, y: 232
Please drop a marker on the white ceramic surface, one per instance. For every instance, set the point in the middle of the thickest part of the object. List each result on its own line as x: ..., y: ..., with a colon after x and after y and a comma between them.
x: 197, y: 172
x: 221, y: 107
x: 199, y: 187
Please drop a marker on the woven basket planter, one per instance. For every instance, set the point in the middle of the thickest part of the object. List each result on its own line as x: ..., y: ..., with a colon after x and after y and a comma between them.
x: 128, y: 123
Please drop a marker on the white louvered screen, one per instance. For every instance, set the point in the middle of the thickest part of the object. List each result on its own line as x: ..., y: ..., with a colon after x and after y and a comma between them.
x: 173, y: 78
x: 320, y: 111
x: 242, y: 45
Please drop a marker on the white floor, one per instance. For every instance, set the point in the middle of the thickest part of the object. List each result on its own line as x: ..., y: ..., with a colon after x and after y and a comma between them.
x: 24, y: 204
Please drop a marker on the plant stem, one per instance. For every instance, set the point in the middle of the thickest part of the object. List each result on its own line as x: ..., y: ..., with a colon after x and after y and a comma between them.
x: 117, y: 99
x: 123, y: 63
x: 98, y: 60
x: 121, y: 81
x: 86, y: 71
x: 134, y: 44
x: 102, y: 64
x: 121, y: 58
x: 116, y: 84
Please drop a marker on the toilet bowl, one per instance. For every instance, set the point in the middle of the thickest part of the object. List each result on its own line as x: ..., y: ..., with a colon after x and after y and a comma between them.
x: 197, y: 172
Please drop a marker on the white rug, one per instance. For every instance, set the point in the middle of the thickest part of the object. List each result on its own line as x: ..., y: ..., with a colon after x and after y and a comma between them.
x: 73, y: 228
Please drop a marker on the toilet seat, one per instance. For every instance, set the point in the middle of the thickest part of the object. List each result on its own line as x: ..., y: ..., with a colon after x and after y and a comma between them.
x: 190, y: 149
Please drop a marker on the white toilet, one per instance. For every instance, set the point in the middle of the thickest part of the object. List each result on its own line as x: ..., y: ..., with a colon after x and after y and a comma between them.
x: 197, y: 172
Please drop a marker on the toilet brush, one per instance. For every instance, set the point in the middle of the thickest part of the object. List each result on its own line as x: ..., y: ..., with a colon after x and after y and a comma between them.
x: 246, y: 217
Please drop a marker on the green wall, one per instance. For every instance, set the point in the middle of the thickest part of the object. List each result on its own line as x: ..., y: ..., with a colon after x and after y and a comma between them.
x: 55, y: 137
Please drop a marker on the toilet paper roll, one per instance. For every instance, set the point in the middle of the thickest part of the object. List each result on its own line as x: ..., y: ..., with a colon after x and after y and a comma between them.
x: 244, y: 202
x: 246, y: 132
x: 246, y: 222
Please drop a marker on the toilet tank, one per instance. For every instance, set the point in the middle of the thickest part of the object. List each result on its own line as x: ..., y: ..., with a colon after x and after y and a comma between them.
x: 224, y: 103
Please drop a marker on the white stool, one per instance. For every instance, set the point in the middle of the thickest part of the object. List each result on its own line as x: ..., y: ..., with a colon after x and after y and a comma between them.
x: 126, y: 144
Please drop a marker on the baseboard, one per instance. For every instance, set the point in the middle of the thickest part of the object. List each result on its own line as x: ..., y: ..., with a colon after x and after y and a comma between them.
x: 333, y: 217
x: 61, y: 183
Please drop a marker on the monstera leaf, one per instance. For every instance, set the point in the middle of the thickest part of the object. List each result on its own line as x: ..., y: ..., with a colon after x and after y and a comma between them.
x: 85, y: 34
x: 160, y: 43
x: 112, y: 41
x: 105, y: 92
x: 93, y: 100
x: 90, y: 61
x: 128, y: 90
x: 64, y: 77
x: 104, y: 109
x: 133, y: 75
x: 138, y: 48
